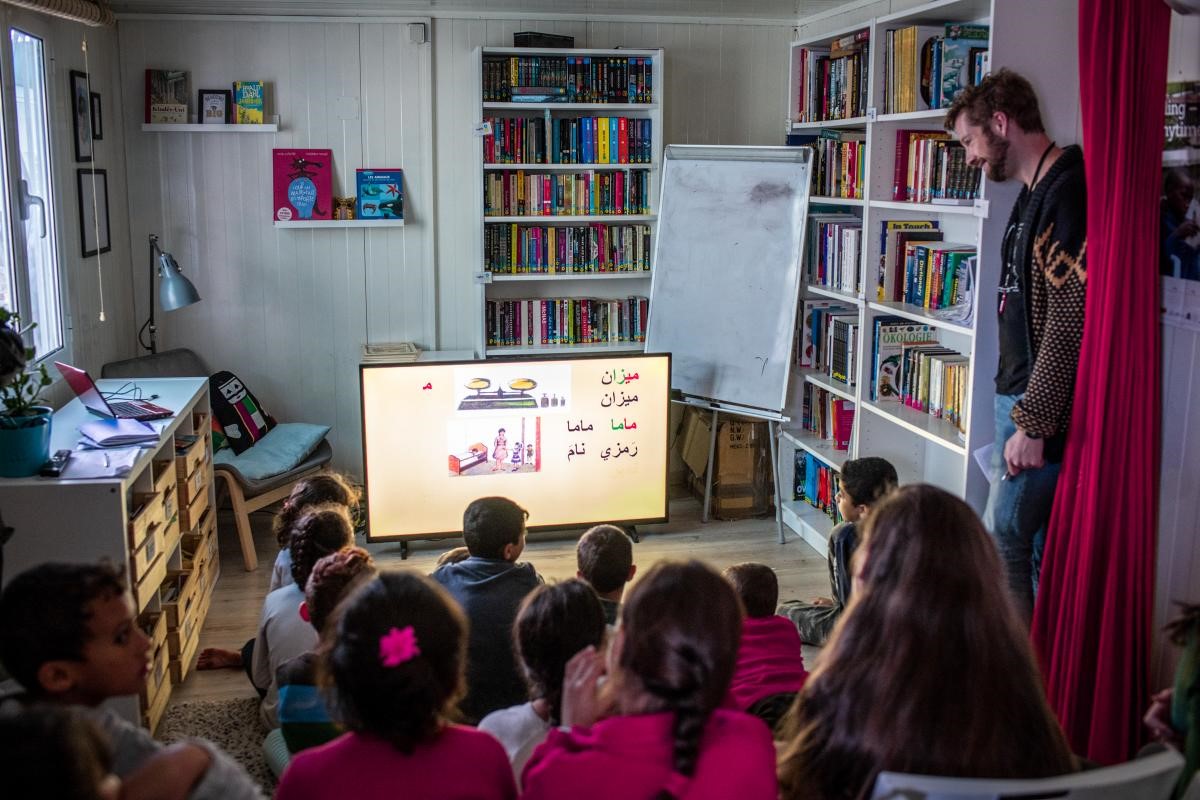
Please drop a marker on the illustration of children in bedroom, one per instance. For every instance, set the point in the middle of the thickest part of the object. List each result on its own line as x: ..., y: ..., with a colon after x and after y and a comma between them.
x: 500, y: 450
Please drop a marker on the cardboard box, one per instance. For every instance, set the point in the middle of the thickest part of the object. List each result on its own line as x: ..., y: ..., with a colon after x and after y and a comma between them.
x: 743, y: 478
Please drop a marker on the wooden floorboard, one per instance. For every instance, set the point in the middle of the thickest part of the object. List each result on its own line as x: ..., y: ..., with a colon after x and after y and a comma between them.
x: 238, y: 597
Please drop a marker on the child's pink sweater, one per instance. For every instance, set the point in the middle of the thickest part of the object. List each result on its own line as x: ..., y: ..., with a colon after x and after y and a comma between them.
x: 630, y: 757
x: 769, y: 661
x: 460, y: 764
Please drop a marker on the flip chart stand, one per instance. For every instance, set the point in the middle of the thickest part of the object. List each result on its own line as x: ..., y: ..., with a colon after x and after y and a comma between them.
x: 772, y: 419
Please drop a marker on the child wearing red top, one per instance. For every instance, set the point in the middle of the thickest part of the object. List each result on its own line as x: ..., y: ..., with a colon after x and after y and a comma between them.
x: 670, y: 666
x: 396, y: 662
x: 770, y: 665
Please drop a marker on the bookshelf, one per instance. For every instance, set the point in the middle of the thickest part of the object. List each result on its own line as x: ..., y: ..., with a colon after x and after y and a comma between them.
x: 590, y: 246
x: 923, y: 447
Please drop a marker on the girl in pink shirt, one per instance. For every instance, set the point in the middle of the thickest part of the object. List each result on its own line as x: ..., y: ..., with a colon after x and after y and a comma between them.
x: 667, y: 737
x: 395, y: 664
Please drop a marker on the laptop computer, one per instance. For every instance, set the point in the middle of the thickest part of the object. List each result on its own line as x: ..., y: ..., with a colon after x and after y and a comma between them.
x: 85, y: 389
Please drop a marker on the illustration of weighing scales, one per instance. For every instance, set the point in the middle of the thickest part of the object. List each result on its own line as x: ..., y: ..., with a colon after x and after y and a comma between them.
x: 499, y: 398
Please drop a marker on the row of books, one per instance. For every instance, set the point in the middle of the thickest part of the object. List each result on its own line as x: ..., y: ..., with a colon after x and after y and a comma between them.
x: 566, y: 320
x: 839, y: 167
x: 931, y: 167
x: 522, y: 193
x: 934, y: 379
x: 927, y: 66
x: 817, y: 484
x: 833, y: 80
x: 916, y: 266
x: 812, y: 336
x: 827, y: 416
x: 568, y: 79
x: 572, y: 140
x: 514, y: 249
x: 834, y: 245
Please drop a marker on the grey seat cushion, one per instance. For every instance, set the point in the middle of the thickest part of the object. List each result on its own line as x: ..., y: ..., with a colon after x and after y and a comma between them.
x: 251, y: 487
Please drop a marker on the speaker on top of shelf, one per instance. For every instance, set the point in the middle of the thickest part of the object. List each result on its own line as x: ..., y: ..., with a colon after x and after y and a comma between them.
x: 535, y: 39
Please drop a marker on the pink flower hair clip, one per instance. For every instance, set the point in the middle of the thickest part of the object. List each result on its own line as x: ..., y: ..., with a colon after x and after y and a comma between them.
x: 398, y: 646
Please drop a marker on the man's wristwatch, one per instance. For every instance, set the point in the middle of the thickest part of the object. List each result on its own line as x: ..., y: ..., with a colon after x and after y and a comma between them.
x: 1034, y: 436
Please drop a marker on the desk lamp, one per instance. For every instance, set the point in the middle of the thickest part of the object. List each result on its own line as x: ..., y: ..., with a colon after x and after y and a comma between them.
x: 174, y: 291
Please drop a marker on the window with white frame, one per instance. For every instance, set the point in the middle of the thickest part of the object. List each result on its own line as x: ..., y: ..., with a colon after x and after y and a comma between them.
x: 29, y: 275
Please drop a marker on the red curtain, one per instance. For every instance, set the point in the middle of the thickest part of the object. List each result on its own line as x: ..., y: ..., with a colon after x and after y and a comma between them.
x: 1093, y: 617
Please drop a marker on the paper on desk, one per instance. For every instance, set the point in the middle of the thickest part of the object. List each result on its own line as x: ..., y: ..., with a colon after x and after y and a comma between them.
x: 111, y: 462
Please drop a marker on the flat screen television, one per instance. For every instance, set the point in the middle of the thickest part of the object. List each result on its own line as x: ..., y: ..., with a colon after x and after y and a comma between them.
x: 575, y: 441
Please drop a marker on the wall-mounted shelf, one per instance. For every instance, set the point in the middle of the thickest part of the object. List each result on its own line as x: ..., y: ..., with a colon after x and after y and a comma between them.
x: 573, y: 276
x: 341, y: 223
x: 193, y: 127
x: 559, y: 349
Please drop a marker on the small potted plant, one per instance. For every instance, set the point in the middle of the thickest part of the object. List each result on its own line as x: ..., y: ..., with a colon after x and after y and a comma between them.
x: 24, y: 420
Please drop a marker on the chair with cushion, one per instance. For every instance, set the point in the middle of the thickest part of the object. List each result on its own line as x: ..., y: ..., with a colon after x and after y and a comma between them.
x: 260, y: 476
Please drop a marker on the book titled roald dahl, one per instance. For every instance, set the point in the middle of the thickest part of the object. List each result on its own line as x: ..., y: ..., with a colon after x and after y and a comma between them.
x: 248, y: 100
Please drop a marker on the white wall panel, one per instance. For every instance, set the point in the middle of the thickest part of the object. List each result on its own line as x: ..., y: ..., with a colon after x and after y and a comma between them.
x: 726, y: 84
x: 288, y: 309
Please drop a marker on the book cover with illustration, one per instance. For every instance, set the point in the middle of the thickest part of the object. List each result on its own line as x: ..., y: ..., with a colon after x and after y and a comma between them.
x: 380, y: 194
x: 303, y: 184
x: 892, y: 334
x: 167, y: 95
x: 248, y: 102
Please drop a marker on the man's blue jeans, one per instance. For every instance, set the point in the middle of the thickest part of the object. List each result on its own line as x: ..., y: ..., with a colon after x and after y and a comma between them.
x: 1018, y: 510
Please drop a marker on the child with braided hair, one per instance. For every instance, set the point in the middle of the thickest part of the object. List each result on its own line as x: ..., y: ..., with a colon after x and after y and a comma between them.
x: 324, y: 487
x: 282, y: 633
x: 670, y: 668
x: 393, y: 670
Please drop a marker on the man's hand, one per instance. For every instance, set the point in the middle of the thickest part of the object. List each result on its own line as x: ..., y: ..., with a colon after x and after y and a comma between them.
x: 1022, y: 452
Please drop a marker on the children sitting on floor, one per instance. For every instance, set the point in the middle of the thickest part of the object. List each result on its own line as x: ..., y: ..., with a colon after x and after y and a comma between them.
x: 770, y: 666
x: 282, y: 633
x: 605, y: 560
x: 930, y: 671
x: 553, y: 624
x: 864, y: 482
x: 304, y: 720
x: 489, y: 586
x: 395, y: 663
x: 322, y: 488
x: 672, y: 660
x: 68, y: 636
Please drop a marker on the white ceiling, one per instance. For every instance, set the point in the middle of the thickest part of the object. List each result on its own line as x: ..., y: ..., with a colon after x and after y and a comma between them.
x: 788, y: 10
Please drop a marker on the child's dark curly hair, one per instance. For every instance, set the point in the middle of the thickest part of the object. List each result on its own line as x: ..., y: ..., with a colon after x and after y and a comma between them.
x: 553, y: 624
x: 406, y: 701
x: 330, y: 580
x: 320, y: 531
x: 324, y: 487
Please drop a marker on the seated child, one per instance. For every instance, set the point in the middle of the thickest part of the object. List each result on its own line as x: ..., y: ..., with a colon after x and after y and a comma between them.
x: 395, y: 666
x: 1174, y: 714
x: 553, y: 624
x: 52, y: 751
x: 303, y: 716
x: 864, y: 482
x: 605, y: 560
x: 672, y: 659
x: 324, y: 487
x: 282, y: 633
x: 931, y: 651
x: 770, y: 666
x: 489, y: 586
x: 68, y: 636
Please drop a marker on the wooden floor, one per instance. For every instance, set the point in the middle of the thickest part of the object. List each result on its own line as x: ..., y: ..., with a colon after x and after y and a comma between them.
x: 238, y: 597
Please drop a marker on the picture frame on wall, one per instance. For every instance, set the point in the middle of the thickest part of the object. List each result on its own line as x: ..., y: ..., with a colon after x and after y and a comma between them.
x: 93, y: 211
x: 216, y: 106
x: 97, y: 118
x: 81, y: 115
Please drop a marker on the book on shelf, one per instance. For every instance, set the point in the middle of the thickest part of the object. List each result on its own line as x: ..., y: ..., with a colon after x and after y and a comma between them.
x: 249, y: 100
x: 843, y: 423
x: 817, y: 484
x: 929, y: 165
x: 833, y: 79
x: 568, y: 78
x: 906, y: 78
x: 934, y: 380
x: 834, y: 243
x: 514, y: 249
x: 565, y: 321
x: 843, y: 336
x: 167, y: 94
x: 303, y: 184
x: 808, y: 338
x: 886, y: 274
x: 586, y: 192
x: 839, y: 164
x: 895, y: 256
x: 380, y: 193
x: 932, y: 272
x: 955, y: 59
x: 890, y: 336
x: 389, y: 352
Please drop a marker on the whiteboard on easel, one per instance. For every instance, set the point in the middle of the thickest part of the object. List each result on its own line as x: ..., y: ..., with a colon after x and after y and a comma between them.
x: 727, y: 270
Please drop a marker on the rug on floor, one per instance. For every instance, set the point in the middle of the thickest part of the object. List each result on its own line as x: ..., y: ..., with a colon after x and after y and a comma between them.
x: 233, y: 725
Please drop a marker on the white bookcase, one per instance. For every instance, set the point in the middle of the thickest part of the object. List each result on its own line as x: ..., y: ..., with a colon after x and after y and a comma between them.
x: 1034, y: 37
x: 536, y: 285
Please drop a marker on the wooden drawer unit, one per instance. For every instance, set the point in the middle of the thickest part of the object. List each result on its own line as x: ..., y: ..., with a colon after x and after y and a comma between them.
x: 171, y: 533
x: 147, y: 586
x: 170, y: 501
x: 157, y: 691
x: 200, y: 545
x: 152, y: 547
x: 181, y: 665
x: 146, y: 515
x: 191, y: 514
x: 164, y: 474
x: 195, y: 485
x: 190, y: 452
x: 179, y: 595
